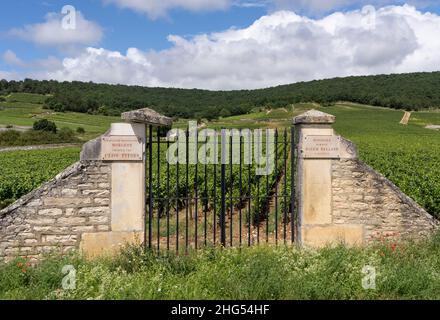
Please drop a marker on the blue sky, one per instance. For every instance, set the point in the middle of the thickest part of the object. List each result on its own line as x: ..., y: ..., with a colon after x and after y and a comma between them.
x: 215, y: 44
x: 123, y: 27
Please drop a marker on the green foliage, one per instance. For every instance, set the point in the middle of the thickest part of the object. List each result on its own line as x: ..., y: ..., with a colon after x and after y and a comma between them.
x: 11, y: 138
x: 407, y: 155
x: 45, y: 125
x: 80, y: 130
x: 413, y: 91
x: 66, y: 134
x: 403, y: 271
x: 25, y: 114
x: 23, y: 171
x: 26, y: 98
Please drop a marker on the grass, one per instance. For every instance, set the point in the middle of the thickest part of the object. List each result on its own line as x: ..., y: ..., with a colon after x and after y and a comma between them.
x: 23, y: 109
x: 403, y: 271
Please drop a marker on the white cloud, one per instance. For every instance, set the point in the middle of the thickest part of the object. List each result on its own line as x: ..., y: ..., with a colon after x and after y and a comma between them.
x: 156, y: 9
x: 316, y: 7
x: 9, y: 57
x: 37, y: 68
x: 52, y: 33
x: 276, y: 49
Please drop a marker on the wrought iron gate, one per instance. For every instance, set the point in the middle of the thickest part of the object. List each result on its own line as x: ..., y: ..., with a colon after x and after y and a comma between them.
x: 192, y: 204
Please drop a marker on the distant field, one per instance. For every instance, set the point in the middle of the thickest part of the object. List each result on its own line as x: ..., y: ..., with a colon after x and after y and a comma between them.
x: 22, y: 109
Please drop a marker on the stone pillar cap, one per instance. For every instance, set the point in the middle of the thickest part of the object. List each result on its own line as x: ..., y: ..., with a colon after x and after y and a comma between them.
x: 147, y: 116
x: 314, y: 117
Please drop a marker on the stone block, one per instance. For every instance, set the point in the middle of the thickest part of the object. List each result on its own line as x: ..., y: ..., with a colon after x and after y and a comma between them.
x: 51, y: 212
x: 318, y: 236
x: 94, y: 244
x: 65, y: 202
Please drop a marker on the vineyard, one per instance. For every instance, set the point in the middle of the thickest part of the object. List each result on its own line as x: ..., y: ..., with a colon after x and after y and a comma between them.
x: 23, y: 171
x: 407, y: 155
x: 191, y: 195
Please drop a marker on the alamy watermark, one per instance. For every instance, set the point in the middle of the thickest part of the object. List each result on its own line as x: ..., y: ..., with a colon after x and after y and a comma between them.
x: 369, y: 17
x: 369, y: 279
x: 69, y: 280
x: 209, y: 146
x: 68, y: 22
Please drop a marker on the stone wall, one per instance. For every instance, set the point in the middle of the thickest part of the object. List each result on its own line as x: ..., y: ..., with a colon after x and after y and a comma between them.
x: 361, y: 196
x: 94, y: 206
x: 341, y: 199
x: 55, y: 216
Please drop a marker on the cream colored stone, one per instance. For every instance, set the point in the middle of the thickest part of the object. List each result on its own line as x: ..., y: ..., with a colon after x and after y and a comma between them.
x: 128, y: 194
x: 317, y: 192
x: 94, y: 244
x: 318, y: 236
x: 69, y: 192
x: 61, y: 202
x: 51, y: 212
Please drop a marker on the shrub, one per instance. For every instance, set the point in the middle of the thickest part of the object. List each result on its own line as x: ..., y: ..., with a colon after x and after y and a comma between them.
x: 9, y: 137
x: 45, y: 125
x: 66, y: 134
x: 80, y: 130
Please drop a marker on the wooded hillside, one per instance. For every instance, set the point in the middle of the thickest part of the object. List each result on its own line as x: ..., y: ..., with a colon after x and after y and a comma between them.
x: 412, y: 91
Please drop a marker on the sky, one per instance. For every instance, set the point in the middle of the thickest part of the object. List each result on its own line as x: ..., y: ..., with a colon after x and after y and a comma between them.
x: 216, y: 44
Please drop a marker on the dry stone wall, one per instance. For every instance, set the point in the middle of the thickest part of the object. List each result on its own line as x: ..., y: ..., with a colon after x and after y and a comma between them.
x: 361, y: 196
x: 55, y: 216
x: 341, y: 199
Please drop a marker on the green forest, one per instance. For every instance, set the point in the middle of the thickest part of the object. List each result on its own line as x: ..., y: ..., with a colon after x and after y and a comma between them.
x: 413, y: 91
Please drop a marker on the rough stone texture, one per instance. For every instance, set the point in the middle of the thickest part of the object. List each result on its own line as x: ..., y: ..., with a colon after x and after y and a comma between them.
x: 92, y: 149
x: 364, y: 197
x: 350, y: 202
x: 59, y: 213
x: 147, y: 116
x: 314, y: 117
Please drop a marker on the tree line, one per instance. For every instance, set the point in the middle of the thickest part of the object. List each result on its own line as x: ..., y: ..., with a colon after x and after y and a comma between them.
x: 412, y: 91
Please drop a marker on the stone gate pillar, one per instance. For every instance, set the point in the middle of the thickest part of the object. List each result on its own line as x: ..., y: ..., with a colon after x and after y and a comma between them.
x: 124, y: 147
x: 318, y: 147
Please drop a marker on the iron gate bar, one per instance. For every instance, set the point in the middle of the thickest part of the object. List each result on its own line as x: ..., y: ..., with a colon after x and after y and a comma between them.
x: 230, y: 190
x: 158, y: 188
x: 241, y: 188
x: 196, y: 182
x: 258, y: 190
x: 276, y: 186
x: 267, y: 187
x: 249, y: 198
x: 223, y: 192
x: 168, y: 192
x: 187, y: 190
x: 292, y: 182
x: 177, y: 193
x: 150, y: 182
x: 205, y: 198
x: 285, y: 186
x: 215, y: 188
x: 189, y: 196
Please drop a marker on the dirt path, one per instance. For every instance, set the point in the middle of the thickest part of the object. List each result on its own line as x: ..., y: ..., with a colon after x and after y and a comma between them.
x: 40, y: 147
x: 405, y: 118
x: 16, y: 128
x: 433, y: 127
